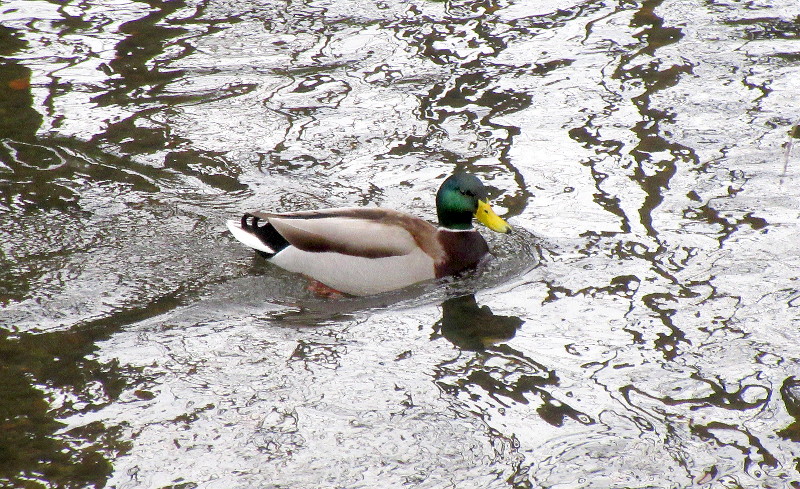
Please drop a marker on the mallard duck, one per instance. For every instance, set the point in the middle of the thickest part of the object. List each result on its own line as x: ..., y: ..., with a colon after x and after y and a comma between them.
x: 363, y: 251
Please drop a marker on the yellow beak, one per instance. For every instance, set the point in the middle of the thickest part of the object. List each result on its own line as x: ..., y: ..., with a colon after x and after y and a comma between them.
x: 486, y: 216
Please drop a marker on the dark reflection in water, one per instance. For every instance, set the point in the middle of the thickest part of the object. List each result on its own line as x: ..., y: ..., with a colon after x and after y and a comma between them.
x: 767, y: 28
x: 473, y: 327
x: 520, y: 379
x: 18, y: 120
x: 645, y: 164
x: 51, y: 376
x: 142, y: 76
x: 747, y: 396
x: 790, y: 394
x: 46, y: 378
x: 22, y: 158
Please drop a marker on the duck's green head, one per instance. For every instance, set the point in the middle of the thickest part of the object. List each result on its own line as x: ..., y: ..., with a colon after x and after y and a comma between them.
x: 460, y: 198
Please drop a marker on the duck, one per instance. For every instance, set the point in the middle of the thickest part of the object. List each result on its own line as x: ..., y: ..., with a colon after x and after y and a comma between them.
x: 362, y: 251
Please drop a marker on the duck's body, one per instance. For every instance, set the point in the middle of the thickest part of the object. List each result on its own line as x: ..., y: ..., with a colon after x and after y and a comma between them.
x: 362, y: 251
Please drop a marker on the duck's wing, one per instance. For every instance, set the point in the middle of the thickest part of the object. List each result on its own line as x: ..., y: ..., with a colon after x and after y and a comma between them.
x: 362, y: 232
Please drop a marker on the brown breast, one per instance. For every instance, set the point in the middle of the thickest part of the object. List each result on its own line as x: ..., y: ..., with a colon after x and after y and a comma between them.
x: 462, y: 250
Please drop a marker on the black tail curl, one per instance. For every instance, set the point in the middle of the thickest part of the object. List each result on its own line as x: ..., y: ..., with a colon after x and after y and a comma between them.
x: 267, y: 234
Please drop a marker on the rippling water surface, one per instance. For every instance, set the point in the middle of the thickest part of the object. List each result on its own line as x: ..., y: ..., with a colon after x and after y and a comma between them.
x: 640, y: 330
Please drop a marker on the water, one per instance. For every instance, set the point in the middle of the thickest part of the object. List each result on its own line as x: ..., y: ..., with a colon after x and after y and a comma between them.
x: 640, y: 330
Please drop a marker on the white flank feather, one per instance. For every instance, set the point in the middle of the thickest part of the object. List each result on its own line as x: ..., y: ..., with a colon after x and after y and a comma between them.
x: 247, y: 238
x: 356, y: 275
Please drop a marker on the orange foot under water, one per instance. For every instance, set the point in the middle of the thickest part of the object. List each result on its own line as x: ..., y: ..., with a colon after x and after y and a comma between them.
x: 323, y: 290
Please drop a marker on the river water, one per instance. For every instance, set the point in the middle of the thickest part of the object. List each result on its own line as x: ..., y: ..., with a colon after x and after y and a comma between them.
x: 639, y: 330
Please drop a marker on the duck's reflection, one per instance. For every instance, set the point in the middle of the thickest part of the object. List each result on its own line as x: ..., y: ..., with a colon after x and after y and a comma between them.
x: 505, y: 374
x: 472, y: 327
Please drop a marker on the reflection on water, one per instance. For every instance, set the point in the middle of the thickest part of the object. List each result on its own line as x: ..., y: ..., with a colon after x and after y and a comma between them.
x: 45, y: 379
x: 640, y: 330
x: 790, y: 393
x: 473, y: 327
